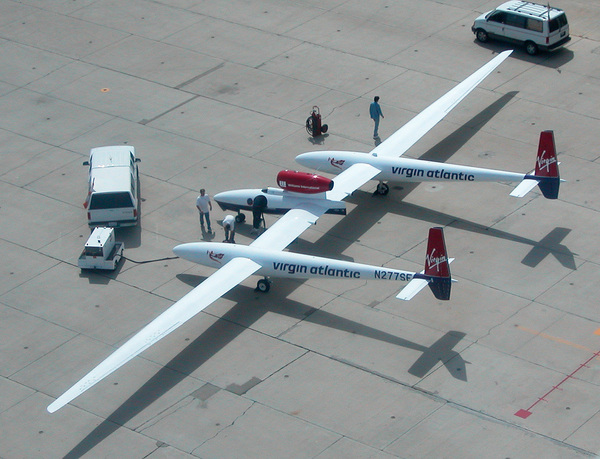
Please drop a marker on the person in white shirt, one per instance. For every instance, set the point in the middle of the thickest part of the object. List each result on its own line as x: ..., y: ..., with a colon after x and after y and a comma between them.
x: 229, y: 227
x: 204, y: 206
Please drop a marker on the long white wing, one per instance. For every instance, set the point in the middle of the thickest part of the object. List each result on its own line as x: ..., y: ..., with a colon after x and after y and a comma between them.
x: 405, y: 137
x: 289, y: 227
x: 351, y: 179
x: 187, y: 307
x: 279, y: 236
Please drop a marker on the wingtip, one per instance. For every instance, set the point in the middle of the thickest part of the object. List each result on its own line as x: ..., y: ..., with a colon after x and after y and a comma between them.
x: 52, y: 407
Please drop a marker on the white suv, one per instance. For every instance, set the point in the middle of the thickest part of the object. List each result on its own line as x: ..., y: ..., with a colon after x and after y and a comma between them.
x: 538, y: 27
x: 113, y: 187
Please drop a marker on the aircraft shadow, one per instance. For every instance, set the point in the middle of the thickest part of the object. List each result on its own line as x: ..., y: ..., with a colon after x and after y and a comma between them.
x: 348, y: 229
x: 233, y: 323
x: 548, y: 245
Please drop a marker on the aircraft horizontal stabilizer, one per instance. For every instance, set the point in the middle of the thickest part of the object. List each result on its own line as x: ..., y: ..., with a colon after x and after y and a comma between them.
x: 437, y: 270
x: 413, y: 287
x: 524, y: 187
x: 545, y: 174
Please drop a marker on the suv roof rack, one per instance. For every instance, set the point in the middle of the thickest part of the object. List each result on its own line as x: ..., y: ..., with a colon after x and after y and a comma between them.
x: 532, y: 9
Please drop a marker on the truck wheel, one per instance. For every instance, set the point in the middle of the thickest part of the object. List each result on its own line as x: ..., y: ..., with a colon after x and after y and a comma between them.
x: 482, y: 36
x: 531, y: 48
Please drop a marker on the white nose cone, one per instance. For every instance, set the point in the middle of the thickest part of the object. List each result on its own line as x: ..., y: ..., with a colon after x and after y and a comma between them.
x: 307, y: 160
x: 185, y: 251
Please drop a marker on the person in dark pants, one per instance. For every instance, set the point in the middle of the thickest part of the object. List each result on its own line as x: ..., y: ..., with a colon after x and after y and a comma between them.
x: 204, y: 207
x: 258, y: 206
x: 375, y: 112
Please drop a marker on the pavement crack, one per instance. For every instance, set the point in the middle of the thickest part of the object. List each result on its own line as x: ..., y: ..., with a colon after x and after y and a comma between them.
x: 224, y: 429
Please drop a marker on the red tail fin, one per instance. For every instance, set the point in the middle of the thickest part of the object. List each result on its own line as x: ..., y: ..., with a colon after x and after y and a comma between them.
x: 437, y: 267
x: 436, y: 259
x: 546, y: 164
x: 437, y: 270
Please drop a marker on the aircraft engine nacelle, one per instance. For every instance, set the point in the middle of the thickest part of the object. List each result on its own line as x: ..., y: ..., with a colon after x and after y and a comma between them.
x: 303, y: 182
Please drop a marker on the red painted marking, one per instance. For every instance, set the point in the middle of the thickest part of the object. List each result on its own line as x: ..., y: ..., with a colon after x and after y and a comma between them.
x: 526, y: 413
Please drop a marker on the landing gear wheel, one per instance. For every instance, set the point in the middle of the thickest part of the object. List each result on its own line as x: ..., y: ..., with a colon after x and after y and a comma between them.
x: 263, y: 285
x: 531, y: 48
x: 240, y: 218
x: 482, y: 36
x: 383, y: 189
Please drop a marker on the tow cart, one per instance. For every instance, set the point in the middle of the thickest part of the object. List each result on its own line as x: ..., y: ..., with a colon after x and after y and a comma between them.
x: 101, y: 251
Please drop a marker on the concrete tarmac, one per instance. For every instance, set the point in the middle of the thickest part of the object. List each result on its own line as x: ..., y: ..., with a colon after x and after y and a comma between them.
x: 215, y: 95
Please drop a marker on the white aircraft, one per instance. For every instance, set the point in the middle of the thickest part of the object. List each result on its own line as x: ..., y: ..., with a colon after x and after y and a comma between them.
x: 312, y: 197
x: 390, y: 167
x: 384, y: 164
x: 265, y: 256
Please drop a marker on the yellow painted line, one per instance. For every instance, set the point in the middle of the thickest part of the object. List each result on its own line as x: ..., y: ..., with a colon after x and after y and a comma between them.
x: 558, y: 340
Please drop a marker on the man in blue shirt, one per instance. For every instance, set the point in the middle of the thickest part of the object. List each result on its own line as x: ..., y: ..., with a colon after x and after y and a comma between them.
x: 375, y: 111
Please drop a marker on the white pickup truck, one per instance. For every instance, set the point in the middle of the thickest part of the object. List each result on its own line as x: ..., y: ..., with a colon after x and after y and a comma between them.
x: 101, y: 251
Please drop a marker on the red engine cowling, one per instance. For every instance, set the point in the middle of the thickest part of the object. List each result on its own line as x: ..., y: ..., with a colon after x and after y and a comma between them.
x: 303, y: 182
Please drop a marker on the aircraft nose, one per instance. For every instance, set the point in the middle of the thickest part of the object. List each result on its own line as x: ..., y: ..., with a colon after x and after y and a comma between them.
x: 222, y: 195
x: 185, y: 251
x: 225, y: 199
x: 305, y: 159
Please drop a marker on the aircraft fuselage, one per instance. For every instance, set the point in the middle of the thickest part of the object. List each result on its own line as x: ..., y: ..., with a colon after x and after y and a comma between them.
x: 286, y: 264
x: 278, y: 201
x: 403, y: 169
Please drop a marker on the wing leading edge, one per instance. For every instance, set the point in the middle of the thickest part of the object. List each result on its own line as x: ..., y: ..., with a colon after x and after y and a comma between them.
x: 187, y: 307
x: 405, y: 137
x: 280, y: 235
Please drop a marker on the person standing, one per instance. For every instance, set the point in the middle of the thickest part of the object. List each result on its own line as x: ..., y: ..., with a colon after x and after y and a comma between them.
x: 204, y: 206
x: 229, y: 227
x: 375, y: 112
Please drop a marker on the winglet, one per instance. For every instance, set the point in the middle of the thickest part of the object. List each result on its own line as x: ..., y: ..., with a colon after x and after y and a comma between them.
x: 437, y: 270
x: 545, y: 174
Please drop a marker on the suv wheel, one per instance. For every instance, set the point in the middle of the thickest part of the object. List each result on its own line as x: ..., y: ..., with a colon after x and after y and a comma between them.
x: 482, y: 35
x: 531, y: 48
